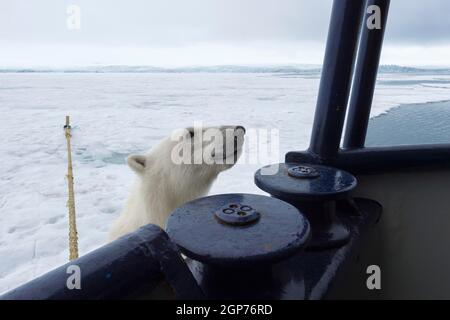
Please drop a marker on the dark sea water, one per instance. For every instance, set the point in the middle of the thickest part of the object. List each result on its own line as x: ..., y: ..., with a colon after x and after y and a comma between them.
x: 427, y: 123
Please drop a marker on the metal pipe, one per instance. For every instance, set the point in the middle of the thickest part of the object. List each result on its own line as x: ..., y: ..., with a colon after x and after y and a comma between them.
x: 131, y: 266
x: 336, y: 77
x: 383, y: 159
x: 365, y: 76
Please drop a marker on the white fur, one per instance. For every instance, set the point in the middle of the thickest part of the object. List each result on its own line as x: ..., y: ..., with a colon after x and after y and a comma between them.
x: 162, y: 185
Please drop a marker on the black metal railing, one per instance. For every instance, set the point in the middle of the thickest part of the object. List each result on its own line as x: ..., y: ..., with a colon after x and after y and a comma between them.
x: 365, y: 77
x: 129, y: 267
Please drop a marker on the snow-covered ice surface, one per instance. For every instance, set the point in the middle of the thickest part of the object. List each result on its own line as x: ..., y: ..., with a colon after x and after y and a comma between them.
x: 115, y: 114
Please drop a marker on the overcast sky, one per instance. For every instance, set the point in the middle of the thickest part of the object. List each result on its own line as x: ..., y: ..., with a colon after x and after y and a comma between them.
x: 195, y: 32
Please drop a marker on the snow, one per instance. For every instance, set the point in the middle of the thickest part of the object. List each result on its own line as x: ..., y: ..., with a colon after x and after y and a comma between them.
x: 115, y: 114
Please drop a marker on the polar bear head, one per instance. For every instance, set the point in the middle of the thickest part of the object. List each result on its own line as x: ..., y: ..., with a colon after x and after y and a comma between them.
x: 182, y: 167
x: 200, y: 151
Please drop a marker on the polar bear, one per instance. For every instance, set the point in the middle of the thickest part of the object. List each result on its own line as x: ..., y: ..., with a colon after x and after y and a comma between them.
x: 182, y: 167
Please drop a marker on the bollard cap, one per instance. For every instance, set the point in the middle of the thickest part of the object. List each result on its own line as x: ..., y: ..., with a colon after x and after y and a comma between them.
x: 209, y: 230
x: 305, y: 182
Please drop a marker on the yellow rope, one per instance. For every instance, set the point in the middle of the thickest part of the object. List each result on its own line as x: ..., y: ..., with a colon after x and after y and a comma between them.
x: 73, y: 235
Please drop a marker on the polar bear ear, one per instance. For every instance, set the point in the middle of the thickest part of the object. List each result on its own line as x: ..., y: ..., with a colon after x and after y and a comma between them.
x: 137, y: 163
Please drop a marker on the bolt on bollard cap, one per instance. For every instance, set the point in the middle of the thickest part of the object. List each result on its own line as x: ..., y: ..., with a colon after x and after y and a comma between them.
x: 238, y: 230
x: 305, y: 182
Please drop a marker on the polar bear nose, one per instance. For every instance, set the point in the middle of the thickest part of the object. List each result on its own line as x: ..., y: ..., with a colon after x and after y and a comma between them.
x: 241, y: 128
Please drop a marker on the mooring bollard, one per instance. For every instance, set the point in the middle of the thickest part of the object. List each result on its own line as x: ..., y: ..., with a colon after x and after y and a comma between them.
x: 237, y: 244
x: 314, y: 190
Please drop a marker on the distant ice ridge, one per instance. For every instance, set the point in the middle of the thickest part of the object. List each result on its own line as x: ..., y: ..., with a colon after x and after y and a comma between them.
x: 401, y: 69
x: 301, y: 69
x: 284, y: 69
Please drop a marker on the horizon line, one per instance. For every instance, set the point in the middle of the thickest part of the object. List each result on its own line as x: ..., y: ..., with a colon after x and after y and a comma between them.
x: 214, y: 68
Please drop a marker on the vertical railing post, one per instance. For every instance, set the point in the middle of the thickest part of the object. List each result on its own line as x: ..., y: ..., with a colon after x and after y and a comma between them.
x: 365, y: 76
x: 336, y: 77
